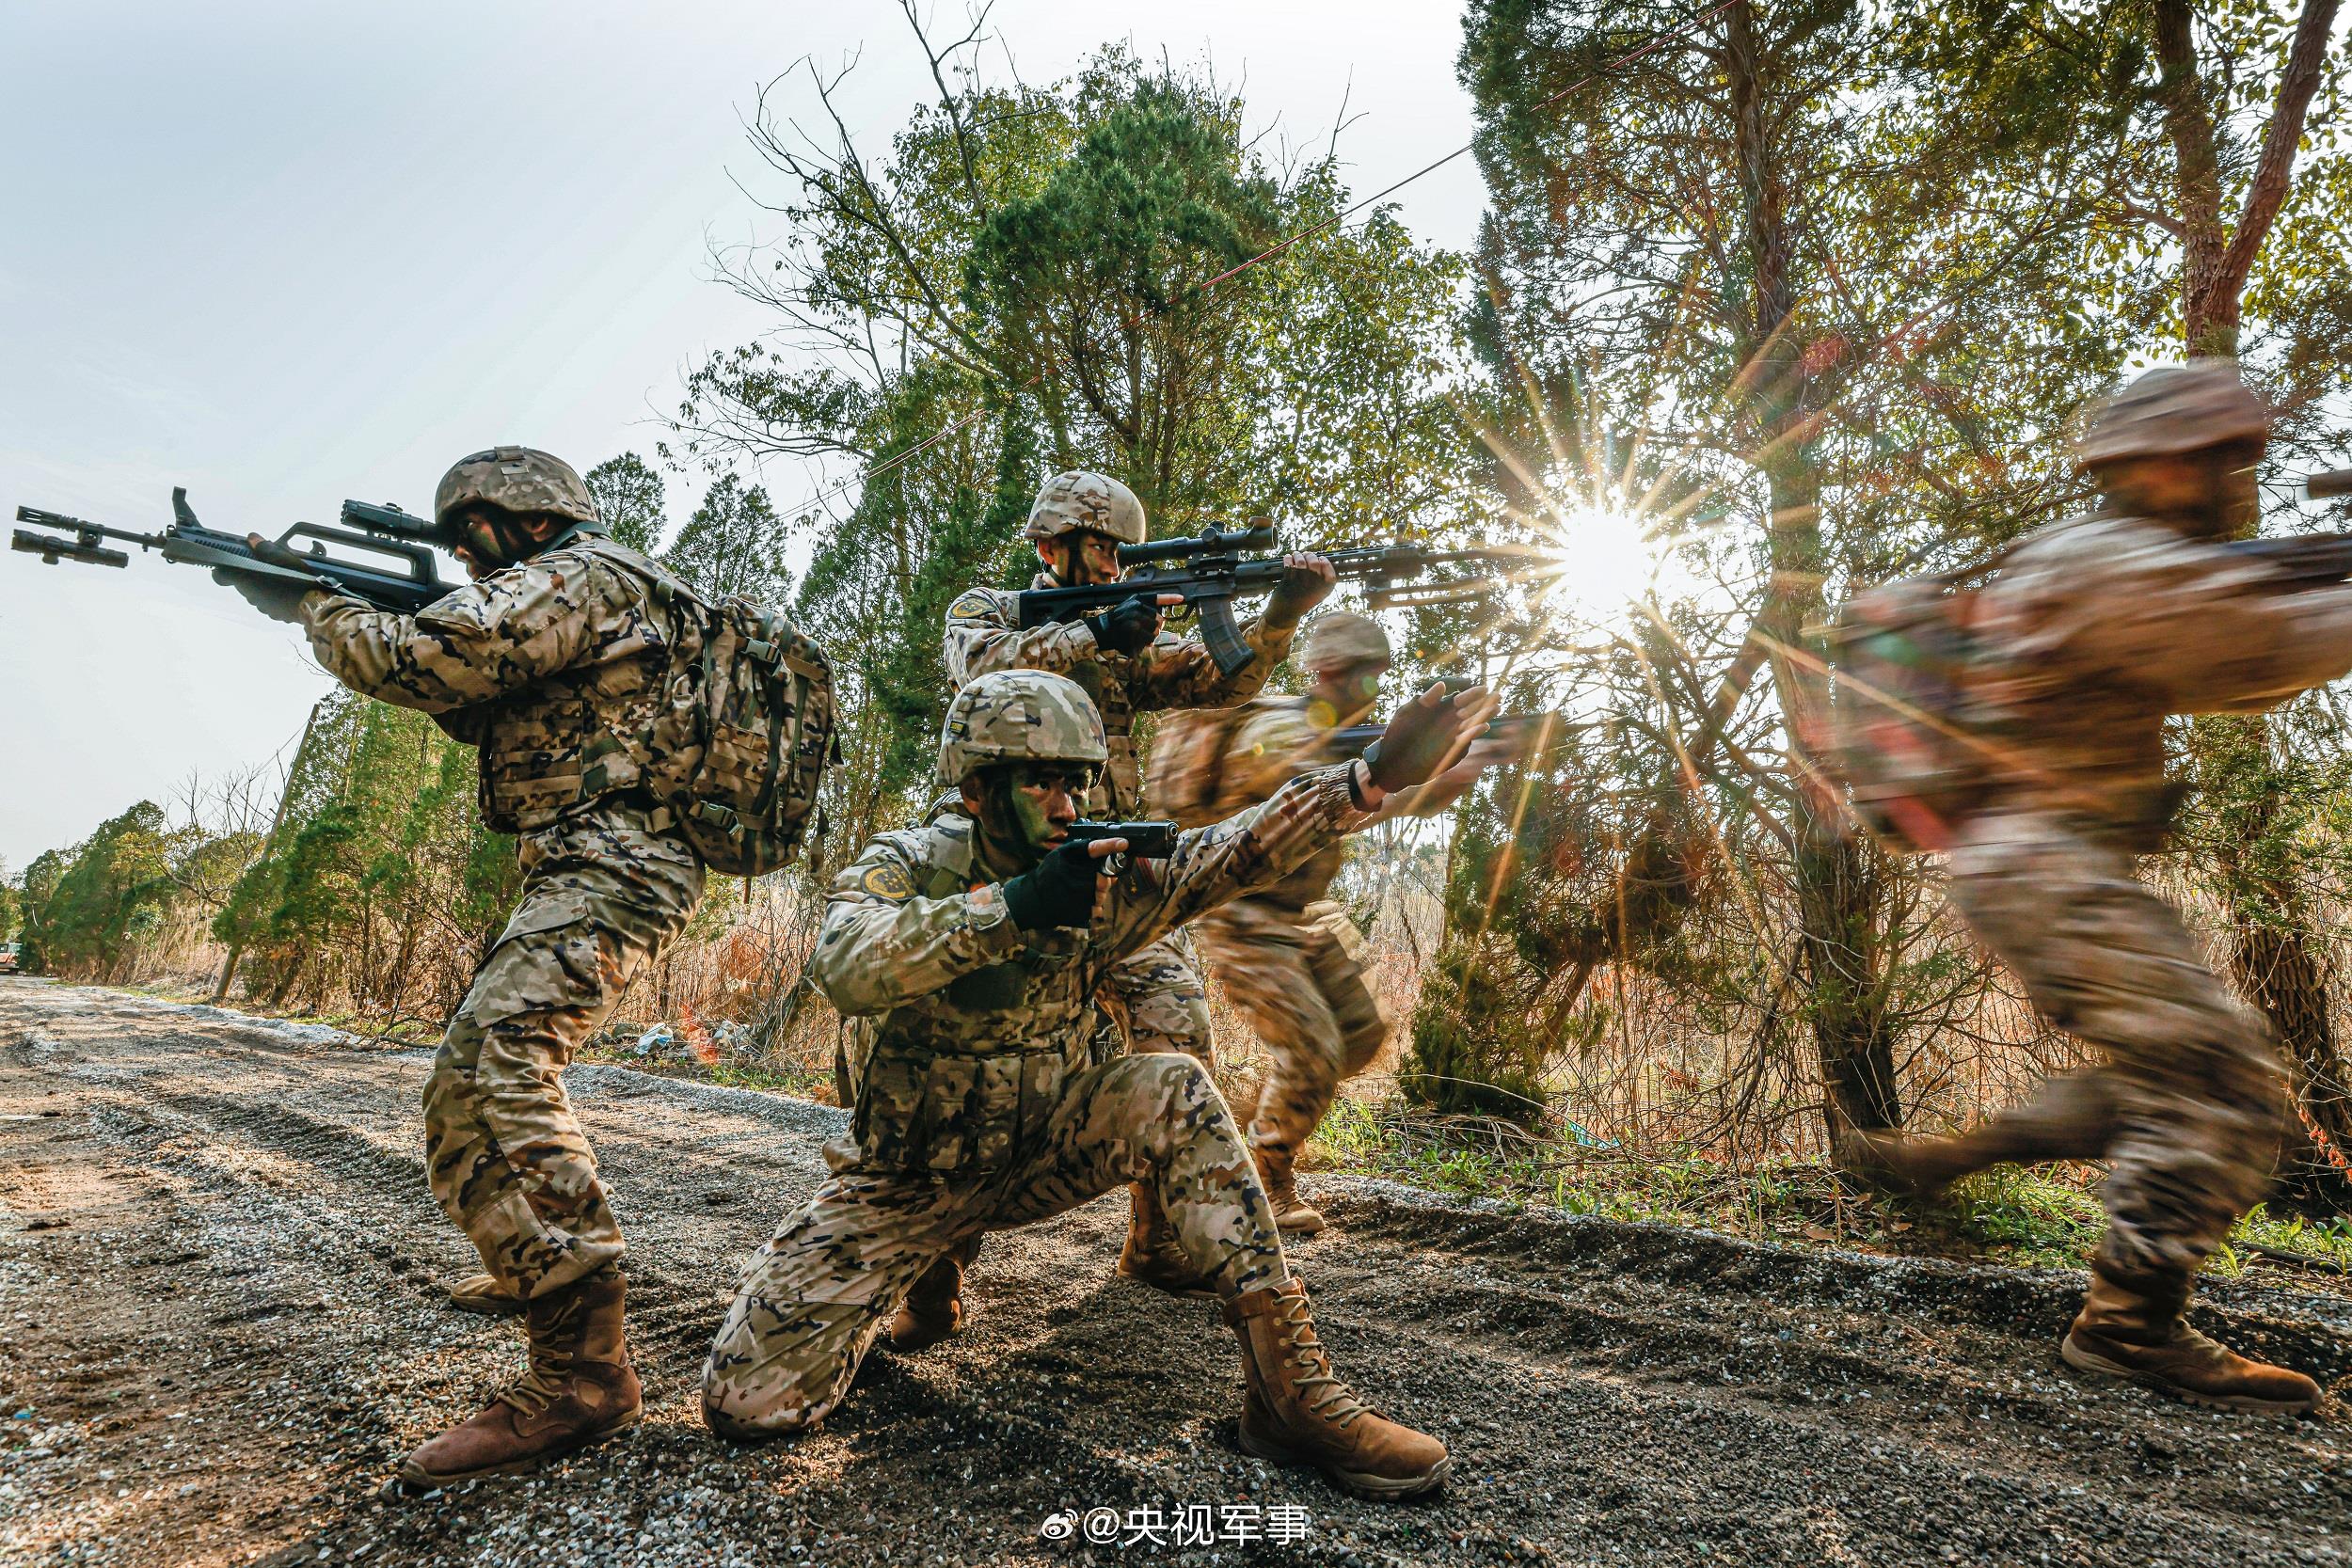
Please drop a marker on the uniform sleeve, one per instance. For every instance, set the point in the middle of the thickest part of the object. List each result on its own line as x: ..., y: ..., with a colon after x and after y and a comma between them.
x: 982, y: 639
x: 1177, y: 672
x: 882, y: 944
x: 1224, y: 860
x: 2204, y: 628
x: 480, y: 641
x: 1268, y: 751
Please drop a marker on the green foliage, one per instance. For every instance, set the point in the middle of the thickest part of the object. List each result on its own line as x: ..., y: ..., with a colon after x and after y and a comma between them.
x: 103, y: 893
x: 733, y: 544
x: 629, y: 496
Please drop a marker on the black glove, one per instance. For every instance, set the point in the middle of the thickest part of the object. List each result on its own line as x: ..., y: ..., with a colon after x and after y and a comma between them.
x: 1301, y: 589
x: 1058, y: 891
x: 1416, y: 742
x: 275, y: 597
x: 1127, y: 628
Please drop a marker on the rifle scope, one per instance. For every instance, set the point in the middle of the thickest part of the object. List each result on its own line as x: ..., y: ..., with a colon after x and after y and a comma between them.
x: 1258, y: 536
x: 392, y: 523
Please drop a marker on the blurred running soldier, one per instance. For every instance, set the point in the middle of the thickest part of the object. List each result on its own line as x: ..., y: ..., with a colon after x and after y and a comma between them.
x: 2093, y: 631
x: 1286, y: 954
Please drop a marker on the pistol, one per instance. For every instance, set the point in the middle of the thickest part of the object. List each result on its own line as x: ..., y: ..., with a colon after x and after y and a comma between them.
x: 1146, y: 841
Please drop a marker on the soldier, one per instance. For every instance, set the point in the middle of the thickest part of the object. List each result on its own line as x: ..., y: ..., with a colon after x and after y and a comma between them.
x: 981, y: 943
x: 2093, y: 632
x: 551, y: 661
x: 1127, y: 665
x: 1286, y: 952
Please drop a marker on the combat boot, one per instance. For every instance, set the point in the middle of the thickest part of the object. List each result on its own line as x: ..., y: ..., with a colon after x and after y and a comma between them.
x: 2070, y: 1117
x: 1292, y: 1215
x: 2133, y: 1326
x: 1295, y: 1410
x: 580, y: 1389
x: 1152, y: 1255
x: 933, y: 1309
x: 479, y: 1292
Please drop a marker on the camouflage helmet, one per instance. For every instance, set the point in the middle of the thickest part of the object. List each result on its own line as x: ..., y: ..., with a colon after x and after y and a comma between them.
x: 1095, y: 502
x: 2174, y: 409
x: 1340, y: 637
x: 516, y: 479
x: 1020, y: 716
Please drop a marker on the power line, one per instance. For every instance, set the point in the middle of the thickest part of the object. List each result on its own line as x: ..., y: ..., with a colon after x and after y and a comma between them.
x: 1656, y: 41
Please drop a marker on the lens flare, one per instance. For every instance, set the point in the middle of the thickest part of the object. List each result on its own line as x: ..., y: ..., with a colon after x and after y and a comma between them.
x: 1608, y: 565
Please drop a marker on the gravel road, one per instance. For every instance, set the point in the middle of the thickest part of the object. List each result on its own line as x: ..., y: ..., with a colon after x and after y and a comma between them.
x: 217, y: 1261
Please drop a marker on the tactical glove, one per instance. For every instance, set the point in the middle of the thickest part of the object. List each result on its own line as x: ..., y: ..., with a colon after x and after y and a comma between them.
x: 275, y: 597
x: 1417, y: 741
x: 1301, y: 589
x: 1128, y: 626
x: 1058, y: 891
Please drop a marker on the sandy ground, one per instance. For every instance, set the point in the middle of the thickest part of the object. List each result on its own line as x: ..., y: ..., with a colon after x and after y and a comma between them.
x: 217, y: 1261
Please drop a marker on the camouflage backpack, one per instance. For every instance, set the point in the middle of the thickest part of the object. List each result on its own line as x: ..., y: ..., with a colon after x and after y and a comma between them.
x: 737, y: 752
x: 1910, y: 735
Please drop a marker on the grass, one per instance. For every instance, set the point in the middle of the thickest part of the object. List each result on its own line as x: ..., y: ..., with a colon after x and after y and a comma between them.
x: 2046, y: 1217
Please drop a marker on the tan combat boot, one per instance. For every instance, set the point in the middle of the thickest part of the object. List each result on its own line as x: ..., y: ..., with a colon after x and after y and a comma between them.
x: 580, y: 1389
x: 2132, y: 1327
x: 1152, y: 1254
x: 1292, y: 1215
x: 933, y: 1309
x: 2070, y: 1117
x: 479, y: 1292
x: 1297, y: 1412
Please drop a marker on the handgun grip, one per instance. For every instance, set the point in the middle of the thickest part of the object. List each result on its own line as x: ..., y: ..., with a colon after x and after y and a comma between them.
x: 1223, y: 636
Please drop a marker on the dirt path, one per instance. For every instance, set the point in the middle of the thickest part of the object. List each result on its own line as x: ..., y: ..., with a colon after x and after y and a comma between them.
x: 216, y: 1261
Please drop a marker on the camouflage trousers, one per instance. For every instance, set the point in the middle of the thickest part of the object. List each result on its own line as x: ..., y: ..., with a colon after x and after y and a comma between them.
x: 1294, y: 974
x: 813, y: 1298
x: 506, y: 1155
x: 2190, y: 1103
x: 1158, y: 1001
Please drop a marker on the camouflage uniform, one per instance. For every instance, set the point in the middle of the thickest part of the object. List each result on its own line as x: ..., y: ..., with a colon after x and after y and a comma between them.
x: 1285, y: 954
x: 978, y: 1109
x: 1156, y: 997
x: 551, y: 667
x: 2101, y: 628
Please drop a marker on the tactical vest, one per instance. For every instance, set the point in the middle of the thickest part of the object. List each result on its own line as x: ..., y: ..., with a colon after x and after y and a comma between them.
x: 948, y: 1089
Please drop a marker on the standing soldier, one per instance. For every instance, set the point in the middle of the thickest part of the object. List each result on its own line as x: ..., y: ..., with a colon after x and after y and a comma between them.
x: 1286, y: 952
x: 981, y: 943
x: 553, y: 661
x: 1127, y: 665
x: 2092, y: 632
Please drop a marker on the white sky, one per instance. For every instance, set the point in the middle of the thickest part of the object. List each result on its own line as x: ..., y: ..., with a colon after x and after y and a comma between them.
x: 283, y: 253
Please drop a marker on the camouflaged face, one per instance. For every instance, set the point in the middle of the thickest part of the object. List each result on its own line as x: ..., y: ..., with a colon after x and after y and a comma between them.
x: 516, y: 479
x: 1096, y: 502
x: 1019, y: 716
x: 2174, y: 408
x: 1342, y: 637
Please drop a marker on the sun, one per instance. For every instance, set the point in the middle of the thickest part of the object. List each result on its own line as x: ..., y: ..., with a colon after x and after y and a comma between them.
x: 1607, y: 564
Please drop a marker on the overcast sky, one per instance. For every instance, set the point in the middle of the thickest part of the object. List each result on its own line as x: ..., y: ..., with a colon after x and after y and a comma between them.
x: 283, y: 253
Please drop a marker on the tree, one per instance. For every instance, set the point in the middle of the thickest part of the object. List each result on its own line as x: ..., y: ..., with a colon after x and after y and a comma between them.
x: 733, y: 544
x: 629, y: 496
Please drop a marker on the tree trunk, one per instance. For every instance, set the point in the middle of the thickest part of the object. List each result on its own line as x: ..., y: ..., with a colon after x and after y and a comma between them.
x: 1835, y: 890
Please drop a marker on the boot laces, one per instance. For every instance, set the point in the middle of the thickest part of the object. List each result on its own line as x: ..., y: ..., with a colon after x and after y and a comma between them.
x: 1311, y: 1368
x: 548, y: 1376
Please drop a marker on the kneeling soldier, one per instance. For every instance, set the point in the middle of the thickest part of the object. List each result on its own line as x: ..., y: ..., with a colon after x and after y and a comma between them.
x: 981, y: 942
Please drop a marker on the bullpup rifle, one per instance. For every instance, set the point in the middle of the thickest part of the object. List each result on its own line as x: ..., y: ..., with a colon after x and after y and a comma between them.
x: 1208, y: 571
x: 1527, y: 734
x: 380, y: 554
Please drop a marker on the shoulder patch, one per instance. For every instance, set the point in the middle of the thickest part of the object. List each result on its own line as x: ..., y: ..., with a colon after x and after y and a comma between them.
x: 973, y: 603
x: 888, y: 881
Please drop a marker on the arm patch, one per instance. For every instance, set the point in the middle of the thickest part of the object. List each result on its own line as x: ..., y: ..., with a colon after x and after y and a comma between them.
x: 973, y: 606
x: 888, y: 881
